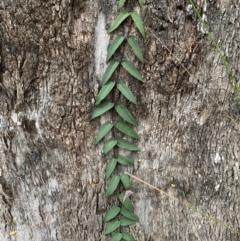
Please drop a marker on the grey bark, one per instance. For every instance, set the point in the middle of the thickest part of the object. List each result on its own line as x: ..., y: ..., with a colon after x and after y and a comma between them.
x: 52, y: 184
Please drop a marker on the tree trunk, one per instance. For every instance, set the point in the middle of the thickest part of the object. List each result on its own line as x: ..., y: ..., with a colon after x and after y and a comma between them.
x: 52, y: 184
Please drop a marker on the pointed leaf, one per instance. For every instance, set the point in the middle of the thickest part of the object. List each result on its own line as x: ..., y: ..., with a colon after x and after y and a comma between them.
x: 116, y: 237
x: 109, y: 144
x: 130, y: 215
x: 121, y: 3
x: 122, y: 143
x: 126, y: 181
x: 125, y: 160
x: 126, y: 222
x: 127, y: 236
x: 105, y: 90
x: 126, y: 129
x: 125, y: 114
x: 121, y: 17
x: 138, y: 22
x: 112, y: 186
x: 114, y: 45
x: 109, y: 71
x: 135, y: 47
x: 102, y: 108
x: 140, y: 3
x: 112, y: 213
x: 110, y: 167
x: 131, y: 69
x: 126, y: 203
x: 122, y: 87
x: 104, y: 129
x: 113, y: 225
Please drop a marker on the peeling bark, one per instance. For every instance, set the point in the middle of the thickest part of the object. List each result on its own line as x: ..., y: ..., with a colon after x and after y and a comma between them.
x: 52, y: 184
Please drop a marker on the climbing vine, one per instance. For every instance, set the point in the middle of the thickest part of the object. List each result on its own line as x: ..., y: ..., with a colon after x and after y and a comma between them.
x: 121, y: 125
x: 234, y: 83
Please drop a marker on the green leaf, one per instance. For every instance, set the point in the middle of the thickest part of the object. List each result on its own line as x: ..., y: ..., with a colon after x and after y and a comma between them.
x: 135, y: 47
x: 121, y: 17
x: 127, y: 236
x: 109, y: 144
x: 122, y: 87
x: 138, y: 22
x: 125, y: 114
x: 130, y: 215
x: 140, y: 3
x: 125, y: 160
x: 131, y: 69
x: 121, y: 3
x: 109, y: 71
x: 105, y: 90
x: 126, y: 129
x: 112, y: 213
x: 122, y: 143
x: 116, y: 237
x: 104, y: 129
x: 110, y: 167
x: 112, y: 186
x: 126, y: 203
x: 126, y: 222
x: 102, y: 108
x: 113, y: 225
x: 126, y: 181
x: 114, y: 45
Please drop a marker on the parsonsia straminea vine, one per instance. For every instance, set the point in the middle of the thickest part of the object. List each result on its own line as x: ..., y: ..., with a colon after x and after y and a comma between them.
x: 122, y: 120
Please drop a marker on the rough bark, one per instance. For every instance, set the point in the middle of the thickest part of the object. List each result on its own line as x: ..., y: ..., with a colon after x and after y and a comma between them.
x: 52, y: 183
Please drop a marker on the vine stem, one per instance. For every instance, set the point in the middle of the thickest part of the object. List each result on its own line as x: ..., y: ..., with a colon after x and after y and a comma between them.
x: 205, y: 215
x: 210, y: 96
x: 235, y: 86
x: 114, y: 89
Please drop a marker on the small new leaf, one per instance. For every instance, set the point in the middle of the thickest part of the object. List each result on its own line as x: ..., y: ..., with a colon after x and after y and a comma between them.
x: 114, y: 45
x: 122, y: 87
x: 102, y: 108
x: 131, y: 69
x: 110, y: 167
x: 126, y: 129
x: 122, y: 143
x: 138, y: 22
x: 109, y: 71
x: 126, y: 203
x: 126, y: 182
x: 105, y: 90
x: 109, y: 144
x: 112, y: 186
x: 125, y: 160
x: 116, y: 237
x: 121, y: 17
x: 113, y: 225
x: 130, y: 215
x: 104, y: 129
x: 125, y: 114
x: 120, y: 4
x: 135, y: 47
x: 128, y: 193
x: 112, y: 213
x: 127, y: 236
x: 126, y: 222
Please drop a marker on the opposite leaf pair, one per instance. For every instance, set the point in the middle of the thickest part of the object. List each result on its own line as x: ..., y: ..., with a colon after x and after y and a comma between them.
x: 127, y: 65
x: 131, y: 41
x: 124, y: 15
